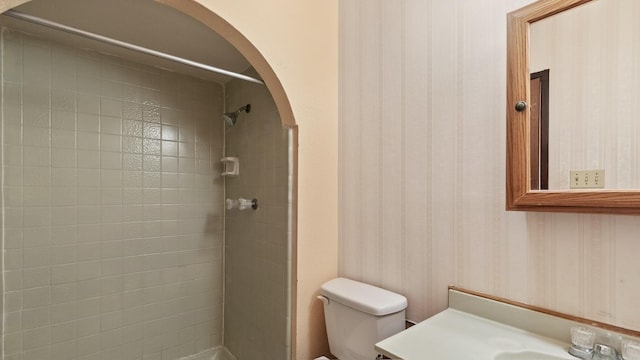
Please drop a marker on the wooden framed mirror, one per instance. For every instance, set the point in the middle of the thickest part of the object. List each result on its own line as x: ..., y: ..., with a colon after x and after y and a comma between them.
x: 522, y: 193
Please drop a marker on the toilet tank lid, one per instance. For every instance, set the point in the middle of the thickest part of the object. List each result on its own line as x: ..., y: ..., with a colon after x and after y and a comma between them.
x: 364, y: 297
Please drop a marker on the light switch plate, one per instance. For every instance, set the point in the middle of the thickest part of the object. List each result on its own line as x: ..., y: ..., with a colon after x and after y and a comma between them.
x: 586, y: 179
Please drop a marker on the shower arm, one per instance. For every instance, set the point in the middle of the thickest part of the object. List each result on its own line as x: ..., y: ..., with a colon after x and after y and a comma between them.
x: 126, y: 45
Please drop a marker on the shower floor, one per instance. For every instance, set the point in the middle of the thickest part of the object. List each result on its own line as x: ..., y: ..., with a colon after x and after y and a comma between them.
x: 219, y: 353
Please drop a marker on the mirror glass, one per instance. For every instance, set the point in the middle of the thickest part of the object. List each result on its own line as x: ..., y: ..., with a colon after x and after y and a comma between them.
x: 591, y: 55
x: 592, y: 76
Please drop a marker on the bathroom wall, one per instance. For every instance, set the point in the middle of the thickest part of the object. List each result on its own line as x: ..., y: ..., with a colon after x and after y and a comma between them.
x: 422, y: 172
x: 112, y: 203
x: 256, y: 246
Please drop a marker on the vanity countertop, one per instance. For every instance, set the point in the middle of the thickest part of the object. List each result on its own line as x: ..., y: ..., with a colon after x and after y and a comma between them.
x: 477, y: 326
x: 456, y: 335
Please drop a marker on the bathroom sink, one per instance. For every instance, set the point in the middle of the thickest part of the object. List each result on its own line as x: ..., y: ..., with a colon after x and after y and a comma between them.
x: 441, y: 337
x: 528, y: 355
x: 481, y: 328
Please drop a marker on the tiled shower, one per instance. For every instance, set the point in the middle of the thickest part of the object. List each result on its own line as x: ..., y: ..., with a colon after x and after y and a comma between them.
x: 113, y: 204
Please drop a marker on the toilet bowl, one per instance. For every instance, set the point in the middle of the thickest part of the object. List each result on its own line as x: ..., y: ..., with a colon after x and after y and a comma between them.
x: 358, y: 315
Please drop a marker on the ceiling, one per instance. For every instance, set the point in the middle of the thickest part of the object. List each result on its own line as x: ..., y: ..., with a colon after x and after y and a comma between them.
x: 144, y: 23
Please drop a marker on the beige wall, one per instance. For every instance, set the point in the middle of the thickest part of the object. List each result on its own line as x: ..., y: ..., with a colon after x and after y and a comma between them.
x: 422, y: 179
x: 298, y: 39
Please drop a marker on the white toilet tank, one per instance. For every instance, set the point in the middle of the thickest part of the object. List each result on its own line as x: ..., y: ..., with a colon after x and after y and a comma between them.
x: 359, y: 315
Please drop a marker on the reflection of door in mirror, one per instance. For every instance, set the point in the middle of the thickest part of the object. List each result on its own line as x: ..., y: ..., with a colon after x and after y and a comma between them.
x: 539, y: 130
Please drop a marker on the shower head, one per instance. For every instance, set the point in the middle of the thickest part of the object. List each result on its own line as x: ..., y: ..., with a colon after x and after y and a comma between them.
x: 230, y: 118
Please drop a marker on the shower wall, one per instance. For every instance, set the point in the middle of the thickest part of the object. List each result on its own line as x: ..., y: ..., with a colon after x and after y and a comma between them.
x: 112, y: 209
x: 256, y: 311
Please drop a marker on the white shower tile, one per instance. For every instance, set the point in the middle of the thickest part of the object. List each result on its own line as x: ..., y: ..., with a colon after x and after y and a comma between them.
x: 150, y: 113
x: 61, y: 138
x: 152, y: 130
x: 13, y: 238
x: 88, y: 271
x: 64, y: 254
x: 63, y: 293
x: 13, y: 155
x: 35, y: 318
x: 88, y: 345
x: 88, y: 251
x: 187, y: 134
x: 151, y: 147
x: 111, y: 196
x: 13, y: 176
x: 36, y: 197
x: 34, y: 136
x: 131, y: 110
x: 41, y: 352
x: 35, y: 257
x: 169, y: 115
x: 110, y: 250
x: 88, y: 141
x: 63, y: 350
x: 63, y: 196
x: 132, y: 162
x: 63, y: 215
x: 132, y: 145
x: 111, y: 143
x: 62, y: 313
x: 63, y: 81
x: 152, y: 179
x: 186, y: 150
x: 13, y: 280
x: 151, y: 214
x: 88, y: 159
x: 110, y: 108
x: 62, y: 120
x: 36, y: 277
x: 13, y: 343
x: 111, y: 160
x: 63, y: 274
x: 88, y: 326
x: 61, y: 235
x: 151, y: 163
x: 88, y: 177
x: 34, y: 298
x: 170, y: 164
x: 131, y: 350
x: 111, y: 89
x: 170, y: 133
x: 186, y: 165
x: 36, y: 156
x: 13, y: 197
x: 13, y: 321
x: 111, y: 125
x: 112, y: 227
x: 63, y: 96
x: 87, y: 85
x: 63, y: 332
x: 87, y: 123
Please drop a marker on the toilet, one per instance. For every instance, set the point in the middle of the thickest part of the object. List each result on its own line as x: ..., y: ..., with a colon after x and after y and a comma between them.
x: 358, y: 315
